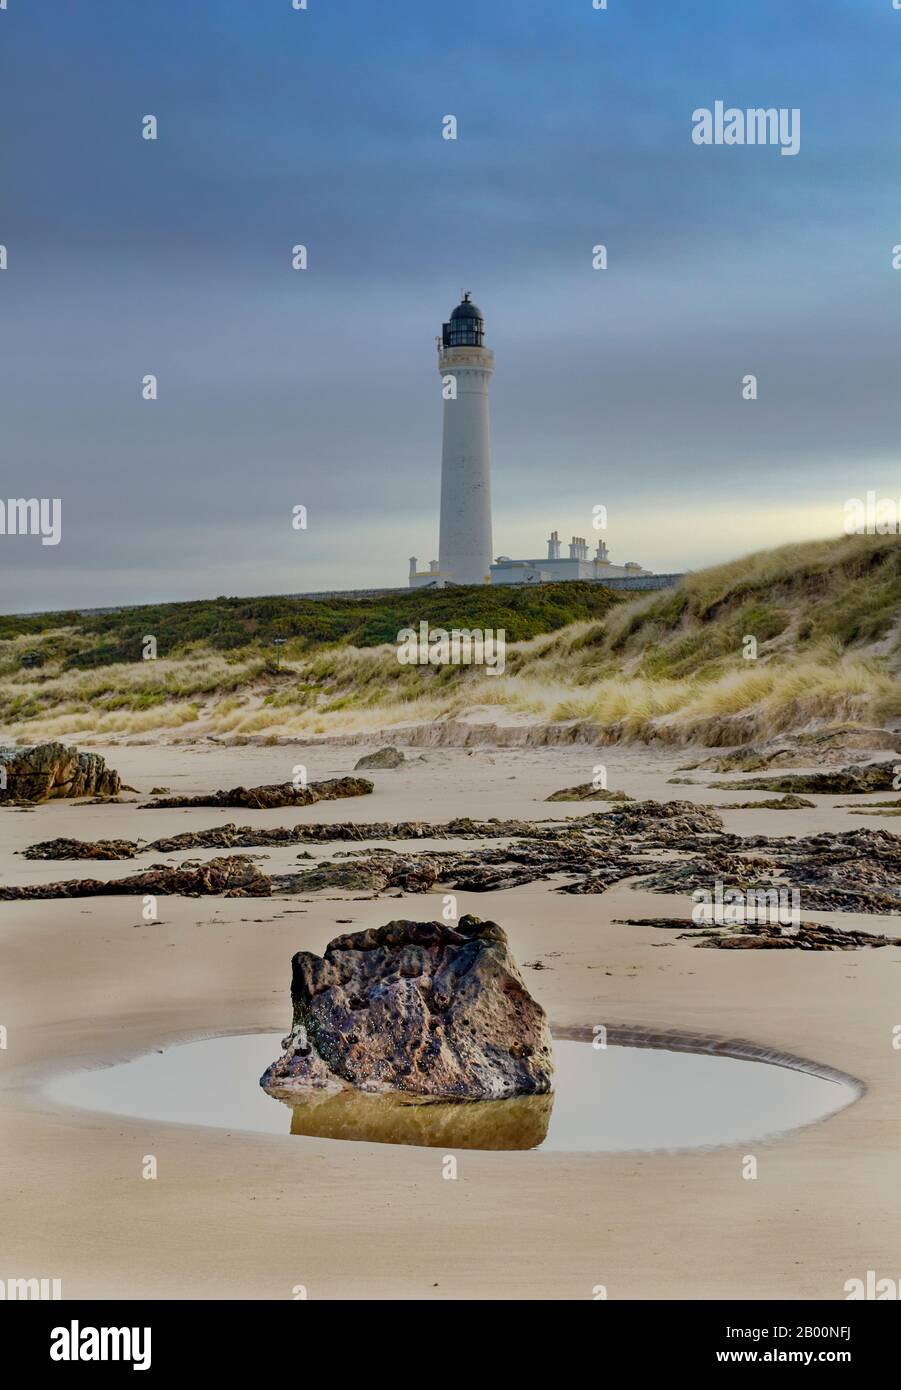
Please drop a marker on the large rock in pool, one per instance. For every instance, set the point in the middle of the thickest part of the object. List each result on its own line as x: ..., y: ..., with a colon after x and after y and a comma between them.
x: 419, y: 1007
x: 51, y: 770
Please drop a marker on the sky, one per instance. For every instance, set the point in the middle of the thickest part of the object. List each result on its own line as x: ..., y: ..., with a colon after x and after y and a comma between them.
x: 319, y: 388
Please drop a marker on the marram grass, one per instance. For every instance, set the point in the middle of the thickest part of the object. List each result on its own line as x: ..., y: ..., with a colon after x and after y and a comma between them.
x: 826, y: 617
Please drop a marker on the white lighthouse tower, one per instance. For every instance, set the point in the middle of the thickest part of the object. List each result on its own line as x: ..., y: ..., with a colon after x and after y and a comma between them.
x: 466, y: 366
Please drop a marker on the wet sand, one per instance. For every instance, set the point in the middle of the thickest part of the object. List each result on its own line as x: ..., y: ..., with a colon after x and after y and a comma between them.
x: 87, y: 982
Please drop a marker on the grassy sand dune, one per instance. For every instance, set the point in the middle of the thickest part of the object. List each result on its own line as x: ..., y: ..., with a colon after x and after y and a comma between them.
x: 826, y: 618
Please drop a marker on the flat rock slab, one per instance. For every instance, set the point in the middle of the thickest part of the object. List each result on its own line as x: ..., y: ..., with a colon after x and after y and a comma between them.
x: 423, y: 1008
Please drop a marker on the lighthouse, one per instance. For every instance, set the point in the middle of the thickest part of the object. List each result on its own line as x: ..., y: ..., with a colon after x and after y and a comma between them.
x: 466, y: 366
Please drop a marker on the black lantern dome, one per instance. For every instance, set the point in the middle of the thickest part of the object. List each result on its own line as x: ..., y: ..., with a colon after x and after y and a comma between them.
x: 466, y: 327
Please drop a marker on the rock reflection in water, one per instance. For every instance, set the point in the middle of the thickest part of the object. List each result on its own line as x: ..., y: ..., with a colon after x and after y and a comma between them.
x: 392, y: 1118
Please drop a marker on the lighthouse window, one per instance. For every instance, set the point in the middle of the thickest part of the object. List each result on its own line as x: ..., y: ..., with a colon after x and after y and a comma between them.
x: 465, y: 334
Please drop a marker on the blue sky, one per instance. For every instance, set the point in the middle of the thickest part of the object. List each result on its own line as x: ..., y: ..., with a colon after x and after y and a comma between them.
x: 320, y: 388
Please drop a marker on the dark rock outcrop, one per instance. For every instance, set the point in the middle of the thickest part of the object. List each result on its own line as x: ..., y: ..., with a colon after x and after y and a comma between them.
x: 807, y: 936
x: 234, y: 877
x: 859, y: 777
x: 486, y: 870
x: 849, y: 871
x: 587, y: 791
x: 382, y: 757
x: 230, y: 836
x: 790, y: 802
x: 852, y: 871
x: 274, y: 795
x: 808, y: 749
x: 376, y: 873
x: 65, y: 848
x: 666, y: 824
x: 257, y: 837
x: 50, y: 770
x: 233, y: 836
x: 419, y: 1007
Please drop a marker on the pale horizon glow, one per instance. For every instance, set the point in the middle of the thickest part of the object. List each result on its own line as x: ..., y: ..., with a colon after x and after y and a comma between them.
x: 319, y: 387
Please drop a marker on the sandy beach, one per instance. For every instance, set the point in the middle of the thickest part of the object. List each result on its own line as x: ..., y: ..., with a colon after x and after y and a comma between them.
x: 87, y: 983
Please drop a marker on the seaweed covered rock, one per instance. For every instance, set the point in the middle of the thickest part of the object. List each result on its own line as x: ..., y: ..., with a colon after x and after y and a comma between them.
x: 266, y: 797
x: 420, y: 1007
x: 789, y: 802
x: 587, y: 791
x: 233, y: 876
x: 49, y: 770
x: 858, y: 778
x: 374, y: 874
x: 66, y: 848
